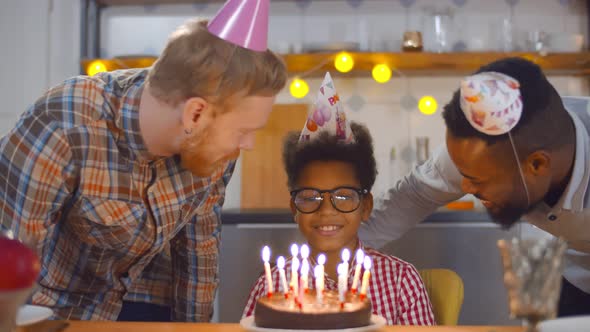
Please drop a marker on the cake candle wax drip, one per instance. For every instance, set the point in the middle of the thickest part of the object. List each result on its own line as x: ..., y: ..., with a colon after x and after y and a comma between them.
x: 319, y: 283
x: 366, y: 275
x: 266, y: 258
x: 301, y: 296
x: 305, y: 267
x: 341, y: 284
x: 282, y: 276
x: 360, y: 256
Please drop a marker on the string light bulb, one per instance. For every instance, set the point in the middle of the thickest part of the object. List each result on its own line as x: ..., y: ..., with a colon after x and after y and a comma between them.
x: 427, y: 105
x: 343, y: 62
x: 95, y: 67
x: 298, y: 88
x: 381, y: 73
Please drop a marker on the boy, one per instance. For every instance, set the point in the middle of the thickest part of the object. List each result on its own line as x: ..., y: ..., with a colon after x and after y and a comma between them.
x: 331, y: 169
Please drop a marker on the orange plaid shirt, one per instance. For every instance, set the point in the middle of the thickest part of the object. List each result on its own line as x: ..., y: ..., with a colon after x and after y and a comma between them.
x: 108, y: 223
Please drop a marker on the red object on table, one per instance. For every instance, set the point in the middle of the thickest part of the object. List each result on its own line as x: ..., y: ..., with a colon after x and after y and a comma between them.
x: 19, y: 264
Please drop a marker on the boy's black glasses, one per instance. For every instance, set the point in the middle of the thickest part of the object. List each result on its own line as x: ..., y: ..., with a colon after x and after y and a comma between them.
x: 344, y: 199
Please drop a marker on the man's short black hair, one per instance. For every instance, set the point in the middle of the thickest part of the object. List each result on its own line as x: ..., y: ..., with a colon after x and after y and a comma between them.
x: 326, y: 147
x: 543, y: 119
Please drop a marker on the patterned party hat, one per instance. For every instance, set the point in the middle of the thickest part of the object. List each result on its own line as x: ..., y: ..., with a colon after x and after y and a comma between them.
x: 327, y: 115
x: 243, y: 23
x: 491, y: 102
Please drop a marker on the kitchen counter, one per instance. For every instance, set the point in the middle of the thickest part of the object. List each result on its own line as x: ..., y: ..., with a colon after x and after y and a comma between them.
x: 282, y: 216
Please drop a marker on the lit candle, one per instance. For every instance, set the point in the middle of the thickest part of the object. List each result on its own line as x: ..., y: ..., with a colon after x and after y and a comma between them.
x: 294, y: 268
x: 304, y: 251
x: 301, y: 297
x: 366, y: 276
x: 321, y: 262
x: 305, y: 275
x: 295, y: 278
x: 266, y: 258
x: 281, y: 267
x: 345, y: 259
x: 319, y: 282
x: 360, y: 256
x: 341, y: 283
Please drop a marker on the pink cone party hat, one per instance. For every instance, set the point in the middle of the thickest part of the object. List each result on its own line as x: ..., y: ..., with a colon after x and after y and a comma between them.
x: 243, y: 23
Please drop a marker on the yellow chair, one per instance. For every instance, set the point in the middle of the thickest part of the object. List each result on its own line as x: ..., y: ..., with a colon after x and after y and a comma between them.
x: 445, y: 290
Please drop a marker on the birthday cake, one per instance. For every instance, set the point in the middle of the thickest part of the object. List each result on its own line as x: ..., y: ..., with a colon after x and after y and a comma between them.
x: 279, y: 312
x: 298, y: 307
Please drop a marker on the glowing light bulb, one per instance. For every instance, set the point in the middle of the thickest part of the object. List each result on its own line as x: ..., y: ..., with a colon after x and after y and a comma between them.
x: 381, y: 73
x: 298, y: 88
x: 427, y: 105
x: 95, y: 67
x: 344, y: 62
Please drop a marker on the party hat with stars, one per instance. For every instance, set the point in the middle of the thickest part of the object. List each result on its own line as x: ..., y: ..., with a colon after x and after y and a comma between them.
x: 327, y: 115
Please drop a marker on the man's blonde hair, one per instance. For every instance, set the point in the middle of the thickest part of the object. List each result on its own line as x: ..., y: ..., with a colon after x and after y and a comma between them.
x: 196, y: 63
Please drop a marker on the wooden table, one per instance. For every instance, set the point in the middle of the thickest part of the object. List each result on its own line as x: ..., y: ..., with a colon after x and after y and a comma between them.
x: 105, y: 326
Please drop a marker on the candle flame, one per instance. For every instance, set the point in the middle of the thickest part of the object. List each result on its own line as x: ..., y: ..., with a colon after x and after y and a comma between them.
x: 322, y: 259
x: 360, y: 256
x: 294, y: 250
x: 346, y: 255
x: 367, y: 263
x: 340, y: 269
x: 304, y: 251
x: 266, y: 254
x: 281, y: 262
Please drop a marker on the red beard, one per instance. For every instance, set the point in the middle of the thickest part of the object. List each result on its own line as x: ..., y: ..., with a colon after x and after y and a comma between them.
x: 200, y: 158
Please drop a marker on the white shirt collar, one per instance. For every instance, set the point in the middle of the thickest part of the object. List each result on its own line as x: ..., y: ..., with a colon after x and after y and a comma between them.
x: 574, y: 194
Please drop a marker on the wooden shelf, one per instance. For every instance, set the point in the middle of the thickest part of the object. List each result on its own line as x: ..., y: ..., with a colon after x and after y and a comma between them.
x: 161, y: 2
x: 441, y: 63
x: 425, y: 64
x: 148, y: 2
